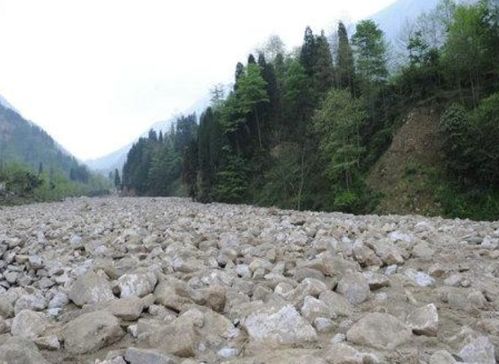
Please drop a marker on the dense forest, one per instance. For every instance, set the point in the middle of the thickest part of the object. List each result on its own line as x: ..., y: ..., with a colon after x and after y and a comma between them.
x: 302, y: 129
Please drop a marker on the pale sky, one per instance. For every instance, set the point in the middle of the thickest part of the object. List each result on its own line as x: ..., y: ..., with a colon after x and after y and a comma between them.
x: 96, y: 73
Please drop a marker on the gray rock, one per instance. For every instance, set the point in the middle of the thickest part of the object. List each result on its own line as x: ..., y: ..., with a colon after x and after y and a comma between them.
x: 18, y: 350
x: 424, y: 320
x: 50, y: 342
x: 420, y: 278
x: 380, y: 331
x: 148, y: 356
x: 91, y: 331
x: 129, y: 308
x: 442, y: 357
x: 178, y: 338
x: 479, y: 350
x: 354, y: 287
x: 138, y: 284
x: 279, y: 325
x: 28, y: 324
x: 90, y: 288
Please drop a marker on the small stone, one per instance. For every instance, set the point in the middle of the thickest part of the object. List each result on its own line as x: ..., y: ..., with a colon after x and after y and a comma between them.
x: 138, y: 284
x: 313, y: 308
x: 442, y: 357
x: 129, y: 308
x: 340, y: 353
x: 479, y: 350
x: 354, y: 287
x: 178, y: 338
x: 48, y: 342
x: 420, y: 278
x: 323, y: 325
x: 278, y: 325
x: 148, y: 356
x: 36, y: 262
x: 227, y: 353
x: 424, y: 320
x: 90, y: 288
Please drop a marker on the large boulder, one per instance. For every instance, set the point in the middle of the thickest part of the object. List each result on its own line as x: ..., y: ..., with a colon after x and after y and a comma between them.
x: 278, y: 326
x: 380, y: 331
x: 90, y: 288
x: 18, y: 350
x: 91, y: 331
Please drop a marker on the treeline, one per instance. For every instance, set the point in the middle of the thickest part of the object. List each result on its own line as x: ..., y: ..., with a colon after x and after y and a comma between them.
x: 21, y: 184
x: 301, y: 130
x: 154, y: 164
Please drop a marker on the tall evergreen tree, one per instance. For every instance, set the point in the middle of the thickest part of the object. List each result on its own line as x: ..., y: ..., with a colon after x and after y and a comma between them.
x: 344, y: 61
x: 323, y: 66
x: 308, y: 52
x: 117, y: 179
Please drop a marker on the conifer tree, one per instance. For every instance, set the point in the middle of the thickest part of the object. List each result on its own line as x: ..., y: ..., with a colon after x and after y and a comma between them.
x: 344, y: 60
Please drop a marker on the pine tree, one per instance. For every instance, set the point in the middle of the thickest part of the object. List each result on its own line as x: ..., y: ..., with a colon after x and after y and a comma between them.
x: 308, y: 52
x: 370, y: 52
x: 117, y: 179
x: 344, y: 60
x: 250, y: 93
x: 323, y: 66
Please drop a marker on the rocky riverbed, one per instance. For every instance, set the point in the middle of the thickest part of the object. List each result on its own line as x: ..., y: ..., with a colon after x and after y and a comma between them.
x: 153, y: 280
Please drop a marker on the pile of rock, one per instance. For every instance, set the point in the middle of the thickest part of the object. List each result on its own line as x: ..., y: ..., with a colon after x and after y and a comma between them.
x: 145, y: 281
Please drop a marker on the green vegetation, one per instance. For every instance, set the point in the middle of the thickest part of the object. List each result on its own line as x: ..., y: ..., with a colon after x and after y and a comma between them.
x: 303, y: 130
x: 20, y: 184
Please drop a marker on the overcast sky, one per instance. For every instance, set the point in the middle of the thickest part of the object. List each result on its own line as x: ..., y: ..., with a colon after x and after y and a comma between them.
x: 97, y: 73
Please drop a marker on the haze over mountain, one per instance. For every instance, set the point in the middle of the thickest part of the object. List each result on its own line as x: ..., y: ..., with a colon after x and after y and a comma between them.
x: 24, y: 142
x: 116, y: 159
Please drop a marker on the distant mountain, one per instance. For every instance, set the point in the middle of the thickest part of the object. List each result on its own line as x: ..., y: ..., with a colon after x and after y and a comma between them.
x: 116, y: 159
x: 24, y: 142
x: 5, y: 103
x: 394, y: 18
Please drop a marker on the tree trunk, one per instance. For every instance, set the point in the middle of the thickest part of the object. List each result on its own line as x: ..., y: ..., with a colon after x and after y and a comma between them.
x: 302, y: 177
x: 258, y: 128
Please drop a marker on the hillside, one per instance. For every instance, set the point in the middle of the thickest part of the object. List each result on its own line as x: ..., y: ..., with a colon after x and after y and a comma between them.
x: 24, y: 142
x: 401, y: 174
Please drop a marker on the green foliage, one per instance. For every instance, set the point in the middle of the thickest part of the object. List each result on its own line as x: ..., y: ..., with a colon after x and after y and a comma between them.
x: 344, y: 61
x: 154, y: 165
x: 299, y: 131
x: 370, y: 52
x: 338, y: 123
x: 232, y: 182
x: 466, y: 50
x: 20, y: 184
x: 471, y: 142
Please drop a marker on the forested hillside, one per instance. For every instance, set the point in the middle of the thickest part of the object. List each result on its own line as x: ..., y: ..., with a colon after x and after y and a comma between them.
x: 304, y: 129
x: 33, y: 166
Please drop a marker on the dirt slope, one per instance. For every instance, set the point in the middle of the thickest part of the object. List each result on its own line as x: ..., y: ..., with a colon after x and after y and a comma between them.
x: 403, y: 173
